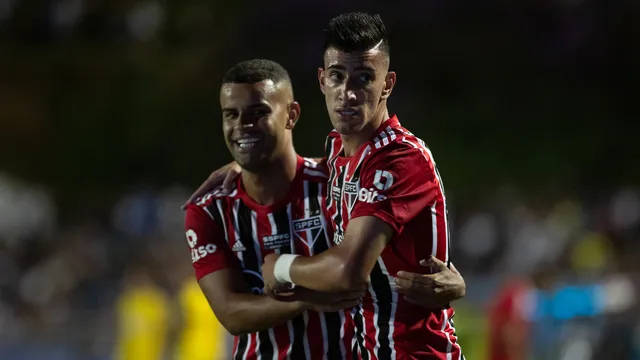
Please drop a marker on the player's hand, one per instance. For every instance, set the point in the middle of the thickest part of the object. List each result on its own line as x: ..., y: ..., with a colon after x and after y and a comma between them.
x: 322, y: 301
x: 271, y: 286
x: 224, y: 177
x: 432, y: 291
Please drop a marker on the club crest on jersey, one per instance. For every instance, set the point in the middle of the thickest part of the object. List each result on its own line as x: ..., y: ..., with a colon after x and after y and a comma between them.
x: 350, y: 193
x: 308, y: 230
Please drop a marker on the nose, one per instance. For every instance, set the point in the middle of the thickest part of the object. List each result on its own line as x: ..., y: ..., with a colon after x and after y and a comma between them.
x: 246, y: 121
x: 347, y: 94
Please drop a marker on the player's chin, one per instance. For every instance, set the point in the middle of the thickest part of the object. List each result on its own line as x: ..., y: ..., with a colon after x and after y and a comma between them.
x: 348, y: 127
x: 250, y: 162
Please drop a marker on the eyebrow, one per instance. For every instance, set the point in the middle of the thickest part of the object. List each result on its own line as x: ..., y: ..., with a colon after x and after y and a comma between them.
x: 359, y: 68
x: 259, y: 105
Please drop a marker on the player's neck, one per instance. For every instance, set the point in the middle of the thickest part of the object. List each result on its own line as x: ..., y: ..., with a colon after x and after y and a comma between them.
x: 272, y: 184
x: 352, y: 142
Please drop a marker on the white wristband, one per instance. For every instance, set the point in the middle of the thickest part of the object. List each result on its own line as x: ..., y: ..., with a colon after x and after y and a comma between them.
x: 282, y: 267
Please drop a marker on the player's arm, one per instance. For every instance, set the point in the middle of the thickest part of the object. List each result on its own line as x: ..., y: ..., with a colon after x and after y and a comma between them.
x: 220, y: 278
x: 404, y: 186
x: 222, y: 283
x: 342, y: 268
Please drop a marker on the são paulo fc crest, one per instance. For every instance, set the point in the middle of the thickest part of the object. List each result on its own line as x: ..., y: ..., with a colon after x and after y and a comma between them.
x: 350, y: 194
x: 308, y: 230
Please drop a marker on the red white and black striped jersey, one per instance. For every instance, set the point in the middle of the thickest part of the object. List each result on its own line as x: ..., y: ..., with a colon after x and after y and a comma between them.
x: 234, y: 231
x: 393, y: 177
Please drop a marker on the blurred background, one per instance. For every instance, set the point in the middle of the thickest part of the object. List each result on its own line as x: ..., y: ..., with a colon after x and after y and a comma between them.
x: 109, y: 118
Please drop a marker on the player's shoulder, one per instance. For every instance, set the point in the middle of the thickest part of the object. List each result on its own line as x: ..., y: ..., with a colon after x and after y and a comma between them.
x: 398, y: 141
x: 216, y: 194
x: 313, y: 171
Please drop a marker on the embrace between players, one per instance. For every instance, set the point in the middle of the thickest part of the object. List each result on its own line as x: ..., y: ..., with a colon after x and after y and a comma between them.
x: 344, y: 257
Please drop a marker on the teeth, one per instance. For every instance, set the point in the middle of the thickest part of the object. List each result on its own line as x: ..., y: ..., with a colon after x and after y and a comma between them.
x: 247, y: 141
x: 349, y: 112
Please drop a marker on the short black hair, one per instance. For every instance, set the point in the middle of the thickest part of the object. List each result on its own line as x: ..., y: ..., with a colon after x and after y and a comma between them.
x: 356, y: 31
x: 254, y: 71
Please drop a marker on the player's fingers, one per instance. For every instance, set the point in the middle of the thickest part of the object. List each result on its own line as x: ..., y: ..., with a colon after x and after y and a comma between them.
x: 413, y: 277
x: 227, y: 183
x: 434, y: 263
x: 196, y: 194
x: 409, y: 287
x: 407, y: 275
x: 441, y: 265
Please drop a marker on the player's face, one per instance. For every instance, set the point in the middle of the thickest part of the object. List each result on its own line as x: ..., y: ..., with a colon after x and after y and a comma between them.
x: 355, y: 86
x: 256, y: 121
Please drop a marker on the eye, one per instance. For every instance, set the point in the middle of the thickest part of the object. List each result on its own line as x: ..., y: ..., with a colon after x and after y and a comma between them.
x: 334, y: 75
x: 260, y: 112
x: 229, y: 115
x: 365, y: 78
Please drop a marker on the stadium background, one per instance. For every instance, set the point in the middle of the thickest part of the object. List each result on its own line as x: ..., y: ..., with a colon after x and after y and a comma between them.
x: 109, y: 119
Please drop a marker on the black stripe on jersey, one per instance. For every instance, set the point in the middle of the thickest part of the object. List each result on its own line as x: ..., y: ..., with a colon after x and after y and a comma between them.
x: 358, y: 321
x: 243, y: 341
x: 331, y: 165
x: 332, y: 320
x: 217, y: 217
x: 383, y: 293
x: 338, y: 218
x: 356, y: 174
x: 253, y: 264
x: 283, y: 225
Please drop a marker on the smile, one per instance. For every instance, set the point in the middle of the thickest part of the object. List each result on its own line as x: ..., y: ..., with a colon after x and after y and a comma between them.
x: 348, y: 112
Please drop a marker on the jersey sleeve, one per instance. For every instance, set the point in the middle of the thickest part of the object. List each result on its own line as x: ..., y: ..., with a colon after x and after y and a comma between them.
x: 396, y: 184
x: 209, y: 249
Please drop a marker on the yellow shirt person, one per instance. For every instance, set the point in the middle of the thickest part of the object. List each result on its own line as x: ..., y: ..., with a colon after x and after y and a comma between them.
x: 202, y: 336
x: 142, y: 312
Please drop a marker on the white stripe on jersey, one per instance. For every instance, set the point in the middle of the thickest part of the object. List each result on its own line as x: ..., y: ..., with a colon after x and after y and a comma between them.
x: 236, y: 230
x: 424, y: 150
x: 292, y: 244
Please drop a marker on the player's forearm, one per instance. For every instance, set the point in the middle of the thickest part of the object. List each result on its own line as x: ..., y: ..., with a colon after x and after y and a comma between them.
x: 327, y: 272
x: 250, y: 313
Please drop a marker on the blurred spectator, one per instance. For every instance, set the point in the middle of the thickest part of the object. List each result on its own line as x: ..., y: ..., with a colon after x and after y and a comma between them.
x: 143, y: 314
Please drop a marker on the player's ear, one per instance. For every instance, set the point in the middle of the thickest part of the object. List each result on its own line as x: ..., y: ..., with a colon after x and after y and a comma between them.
x: 294, y: 115
x: 321, y: 78
x: 389, y: 83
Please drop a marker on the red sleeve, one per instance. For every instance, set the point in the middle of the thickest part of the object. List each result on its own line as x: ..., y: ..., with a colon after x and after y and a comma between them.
x: 209, y: 249
x: 396, y: 184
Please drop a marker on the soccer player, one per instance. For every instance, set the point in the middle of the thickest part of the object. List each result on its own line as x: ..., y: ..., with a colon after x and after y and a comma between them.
x: 274, y: 206
x: 386, y: 200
